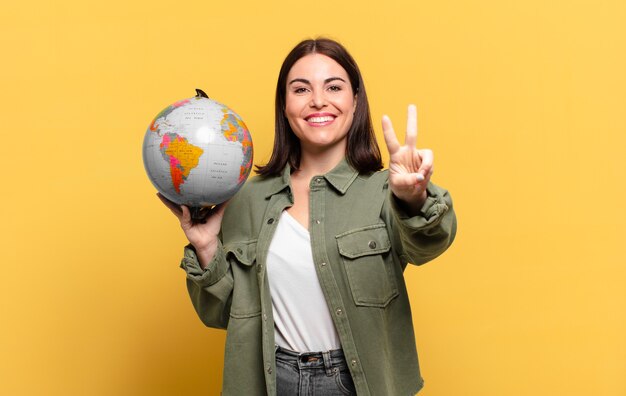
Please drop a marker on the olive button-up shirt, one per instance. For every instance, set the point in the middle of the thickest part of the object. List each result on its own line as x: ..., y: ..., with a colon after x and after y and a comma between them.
x: 361, y: 241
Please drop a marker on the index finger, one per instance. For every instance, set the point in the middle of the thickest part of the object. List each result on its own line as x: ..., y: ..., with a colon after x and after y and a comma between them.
x: 390, y: 136
x: 176, y: 209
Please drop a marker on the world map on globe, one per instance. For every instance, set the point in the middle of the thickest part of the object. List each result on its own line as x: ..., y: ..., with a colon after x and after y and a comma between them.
x: 197, y: 152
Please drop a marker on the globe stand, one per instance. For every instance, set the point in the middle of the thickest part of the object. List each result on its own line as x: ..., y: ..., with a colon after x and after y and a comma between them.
x: 200, y: 214
x: 200, y: 94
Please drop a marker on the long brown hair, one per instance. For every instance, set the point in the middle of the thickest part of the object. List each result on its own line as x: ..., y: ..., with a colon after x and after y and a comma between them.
x: 362, y: 150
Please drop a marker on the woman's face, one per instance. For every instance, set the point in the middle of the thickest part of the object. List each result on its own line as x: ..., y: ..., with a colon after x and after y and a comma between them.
x: 319, y: 103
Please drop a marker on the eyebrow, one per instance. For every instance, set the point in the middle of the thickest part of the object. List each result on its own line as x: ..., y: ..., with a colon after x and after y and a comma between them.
x: 305, y: 81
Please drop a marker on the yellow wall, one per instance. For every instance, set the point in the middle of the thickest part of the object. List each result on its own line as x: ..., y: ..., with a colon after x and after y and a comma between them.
x: 523, y: 103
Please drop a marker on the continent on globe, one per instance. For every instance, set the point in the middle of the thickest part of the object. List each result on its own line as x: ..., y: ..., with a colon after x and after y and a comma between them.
x: 181, y: 155
x: 154, y: 127
x: 236, y: 131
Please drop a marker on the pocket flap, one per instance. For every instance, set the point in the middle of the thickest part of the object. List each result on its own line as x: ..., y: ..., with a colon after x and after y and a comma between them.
x: 364, y: 241
x: 244, y: 252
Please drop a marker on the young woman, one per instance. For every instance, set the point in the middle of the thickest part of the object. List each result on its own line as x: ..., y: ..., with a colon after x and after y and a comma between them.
x: 304, y: 268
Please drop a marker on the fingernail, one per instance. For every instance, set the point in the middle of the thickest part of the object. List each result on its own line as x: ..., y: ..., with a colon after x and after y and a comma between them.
x: 420, y: 177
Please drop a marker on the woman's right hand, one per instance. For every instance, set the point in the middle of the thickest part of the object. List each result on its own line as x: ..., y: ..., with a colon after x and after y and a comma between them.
x: 203, y: 236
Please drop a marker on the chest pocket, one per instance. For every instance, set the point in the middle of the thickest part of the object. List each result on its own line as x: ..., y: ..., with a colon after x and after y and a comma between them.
x: 246, y: 301
x: 371, y: 277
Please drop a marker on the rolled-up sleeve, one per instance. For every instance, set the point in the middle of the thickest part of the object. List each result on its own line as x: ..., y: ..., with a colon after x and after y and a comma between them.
x: 213, y: 272
x: 428, y: 234
x: 210, y: 289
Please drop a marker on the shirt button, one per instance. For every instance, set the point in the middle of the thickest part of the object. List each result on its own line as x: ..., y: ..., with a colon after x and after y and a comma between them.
x: 319, y: 180
x: 260, y: 267
x: 353, y: 363
x: 264, y: 316
x: 269, y: 369
x: 339, y: 311
x: 372, y: 245
x: 270, y: 221
x: 318, y: 222
x: 323, y: 264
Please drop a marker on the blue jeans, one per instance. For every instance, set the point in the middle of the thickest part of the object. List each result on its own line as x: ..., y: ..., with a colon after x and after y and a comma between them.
x: 312, y: 373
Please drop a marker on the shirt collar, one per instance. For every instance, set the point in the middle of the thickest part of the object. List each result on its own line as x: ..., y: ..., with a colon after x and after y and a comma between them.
x: 340, y: 177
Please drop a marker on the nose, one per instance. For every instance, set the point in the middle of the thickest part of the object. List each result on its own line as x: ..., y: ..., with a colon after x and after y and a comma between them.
x: 317, y: 99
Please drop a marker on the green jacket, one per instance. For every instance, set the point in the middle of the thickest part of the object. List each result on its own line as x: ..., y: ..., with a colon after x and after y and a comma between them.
x: 361, y: 241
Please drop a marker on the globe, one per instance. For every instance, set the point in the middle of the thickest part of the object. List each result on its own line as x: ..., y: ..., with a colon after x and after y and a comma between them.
x: 197, y: 152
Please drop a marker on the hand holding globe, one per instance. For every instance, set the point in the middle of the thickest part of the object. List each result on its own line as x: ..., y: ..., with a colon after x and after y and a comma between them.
x: 203, y: 235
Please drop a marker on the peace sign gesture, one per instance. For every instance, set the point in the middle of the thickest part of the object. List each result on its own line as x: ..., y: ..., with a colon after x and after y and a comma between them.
x: 410, y: 168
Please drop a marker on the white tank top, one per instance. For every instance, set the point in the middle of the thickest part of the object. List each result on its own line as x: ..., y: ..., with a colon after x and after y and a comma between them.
x: 302, y: 321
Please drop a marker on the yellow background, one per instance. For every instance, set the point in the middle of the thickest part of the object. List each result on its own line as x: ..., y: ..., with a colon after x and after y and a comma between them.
x: 523, y: 103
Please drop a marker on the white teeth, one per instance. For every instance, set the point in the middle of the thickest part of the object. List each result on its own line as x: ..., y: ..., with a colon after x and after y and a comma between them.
x: 320, y: 119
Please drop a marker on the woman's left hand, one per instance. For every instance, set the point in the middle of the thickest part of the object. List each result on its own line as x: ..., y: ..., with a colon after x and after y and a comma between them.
x: 410, y: 168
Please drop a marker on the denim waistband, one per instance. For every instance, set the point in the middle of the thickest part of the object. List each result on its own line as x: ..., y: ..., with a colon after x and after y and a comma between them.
x: 326, y: 359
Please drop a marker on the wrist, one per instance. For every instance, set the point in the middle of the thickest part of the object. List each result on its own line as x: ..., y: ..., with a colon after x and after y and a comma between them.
x: 206, y: 253
x: 413, y: 203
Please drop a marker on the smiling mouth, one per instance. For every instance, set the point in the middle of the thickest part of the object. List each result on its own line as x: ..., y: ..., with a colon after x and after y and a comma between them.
x: 320, y: 120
